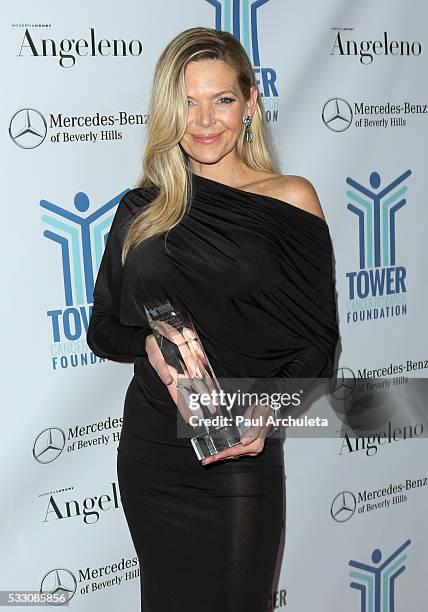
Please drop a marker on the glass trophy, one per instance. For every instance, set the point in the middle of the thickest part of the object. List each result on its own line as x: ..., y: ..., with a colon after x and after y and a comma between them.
x: 212, y: 422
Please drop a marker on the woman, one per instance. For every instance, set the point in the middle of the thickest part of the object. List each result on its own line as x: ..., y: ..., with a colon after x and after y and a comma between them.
x: 247, y: 252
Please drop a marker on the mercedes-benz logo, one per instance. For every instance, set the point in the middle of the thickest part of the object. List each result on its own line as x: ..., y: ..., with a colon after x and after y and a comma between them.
x: 343, y: 506
x: 59, y: 581
x: 343, y: 384
x: 337, y: 114
x: 28, y: 128
x: 49, y: 445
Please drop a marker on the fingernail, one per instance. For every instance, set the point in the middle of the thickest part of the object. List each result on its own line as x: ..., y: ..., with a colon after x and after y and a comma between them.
x: 168, y: 380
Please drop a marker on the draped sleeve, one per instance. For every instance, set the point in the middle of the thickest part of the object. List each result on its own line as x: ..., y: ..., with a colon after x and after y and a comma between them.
x: 110, y: 334
x: 271, y: 309
x: 302, y: 300
x: 308, y: 295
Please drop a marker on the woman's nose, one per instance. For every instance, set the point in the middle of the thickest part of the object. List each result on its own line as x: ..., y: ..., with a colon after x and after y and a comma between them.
x: 205, y: 114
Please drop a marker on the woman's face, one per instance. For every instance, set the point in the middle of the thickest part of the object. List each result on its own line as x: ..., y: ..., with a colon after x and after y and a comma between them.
x: 216, y: 110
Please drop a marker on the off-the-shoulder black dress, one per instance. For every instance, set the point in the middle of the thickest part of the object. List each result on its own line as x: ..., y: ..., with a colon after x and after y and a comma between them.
x: 255, y: 273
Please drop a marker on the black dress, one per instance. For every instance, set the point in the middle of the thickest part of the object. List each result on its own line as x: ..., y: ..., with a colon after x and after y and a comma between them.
x: 255, y: 273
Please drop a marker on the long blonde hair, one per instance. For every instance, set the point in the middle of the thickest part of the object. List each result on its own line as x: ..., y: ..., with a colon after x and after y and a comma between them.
x: 165, y: 164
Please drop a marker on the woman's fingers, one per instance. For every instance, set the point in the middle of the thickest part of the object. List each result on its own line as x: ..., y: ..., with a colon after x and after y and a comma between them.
x: 183, y: 403
x: 177, y: 344
x: 191, y: 376
x: 189, y: 350
x: 255, y: 414
x: 252, y: 449
x: 167, y: 373
x: 192, y: 353
x: 252, y: 442
x: 177, y: 383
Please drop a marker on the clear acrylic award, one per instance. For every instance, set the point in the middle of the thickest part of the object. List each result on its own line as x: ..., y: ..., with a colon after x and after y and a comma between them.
x: 198, y: 390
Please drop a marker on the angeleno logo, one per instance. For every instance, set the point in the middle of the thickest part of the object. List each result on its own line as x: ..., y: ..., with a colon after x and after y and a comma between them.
x: 368, y: 49
x: 378, y: 288
x: 240, y: 19
x: 67, y: 49
x: 79, y: 241
x: 370, y: 443
x: 90, y: 508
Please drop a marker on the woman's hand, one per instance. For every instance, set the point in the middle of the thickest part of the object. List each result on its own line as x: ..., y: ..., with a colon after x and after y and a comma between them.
x: 157, y: 360
x: 249, y: 447
x: 253, y: 440
x: 191, y: 361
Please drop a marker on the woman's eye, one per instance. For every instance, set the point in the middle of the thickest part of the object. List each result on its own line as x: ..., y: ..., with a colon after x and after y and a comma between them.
x: 224, y: 100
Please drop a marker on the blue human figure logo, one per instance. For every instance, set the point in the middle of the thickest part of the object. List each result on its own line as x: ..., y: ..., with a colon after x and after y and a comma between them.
x: 376, y: 583
x: 82, y: 240
x: 376, y: 211
x: 239, y: 17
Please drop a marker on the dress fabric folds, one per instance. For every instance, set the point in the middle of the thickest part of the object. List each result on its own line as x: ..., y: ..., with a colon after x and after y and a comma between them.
x: 255, y: 274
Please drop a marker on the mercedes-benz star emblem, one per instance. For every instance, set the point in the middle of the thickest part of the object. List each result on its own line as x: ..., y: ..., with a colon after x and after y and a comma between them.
x: 28, y: 128
x: 343, y: 506
x: 337, y: 114
x: 48, y: 445
x: 59, y: 581
x: 343, y: 384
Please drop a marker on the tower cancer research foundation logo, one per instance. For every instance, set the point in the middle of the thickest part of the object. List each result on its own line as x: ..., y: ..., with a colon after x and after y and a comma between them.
x: 376, y: 582
x: 377, y: 289
x: 240, y: 19
x: 80, y: 241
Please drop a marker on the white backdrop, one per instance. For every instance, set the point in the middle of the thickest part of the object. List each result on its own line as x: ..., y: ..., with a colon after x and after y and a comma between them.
x: 348, y: 114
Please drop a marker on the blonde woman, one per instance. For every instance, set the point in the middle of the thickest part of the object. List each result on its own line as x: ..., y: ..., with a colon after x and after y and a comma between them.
x: 215, y: 227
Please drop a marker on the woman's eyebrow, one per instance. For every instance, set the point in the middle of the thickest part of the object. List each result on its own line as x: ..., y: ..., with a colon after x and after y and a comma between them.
x: 219, y: 93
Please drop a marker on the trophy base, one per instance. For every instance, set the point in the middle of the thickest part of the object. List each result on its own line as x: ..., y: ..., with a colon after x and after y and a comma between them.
x: 209, y: 444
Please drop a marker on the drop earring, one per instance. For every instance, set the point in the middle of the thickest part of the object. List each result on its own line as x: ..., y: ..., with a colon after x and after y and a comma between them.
x: 249, y: 134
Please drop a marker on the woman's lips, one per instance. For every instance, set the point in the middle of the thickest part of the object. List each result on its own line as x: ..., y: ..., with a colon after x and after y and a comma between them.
x: 207, y: 139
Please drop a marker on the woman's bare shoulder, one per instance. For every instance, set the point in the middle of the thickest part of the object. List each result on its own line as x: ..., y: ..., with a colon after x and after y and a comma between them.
x: 295, y: 190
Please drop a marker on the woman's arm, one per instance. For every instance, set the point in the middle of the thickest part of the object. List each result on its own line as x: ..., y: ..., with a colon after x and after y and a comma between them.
x: 308, y: 363
x: 106, y: 336
x: 302, y: 372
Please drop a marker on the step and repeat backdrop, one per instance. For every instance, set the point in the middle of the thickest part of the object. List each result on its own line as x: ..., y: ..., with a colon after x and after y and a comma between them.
x: 345, y: 92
